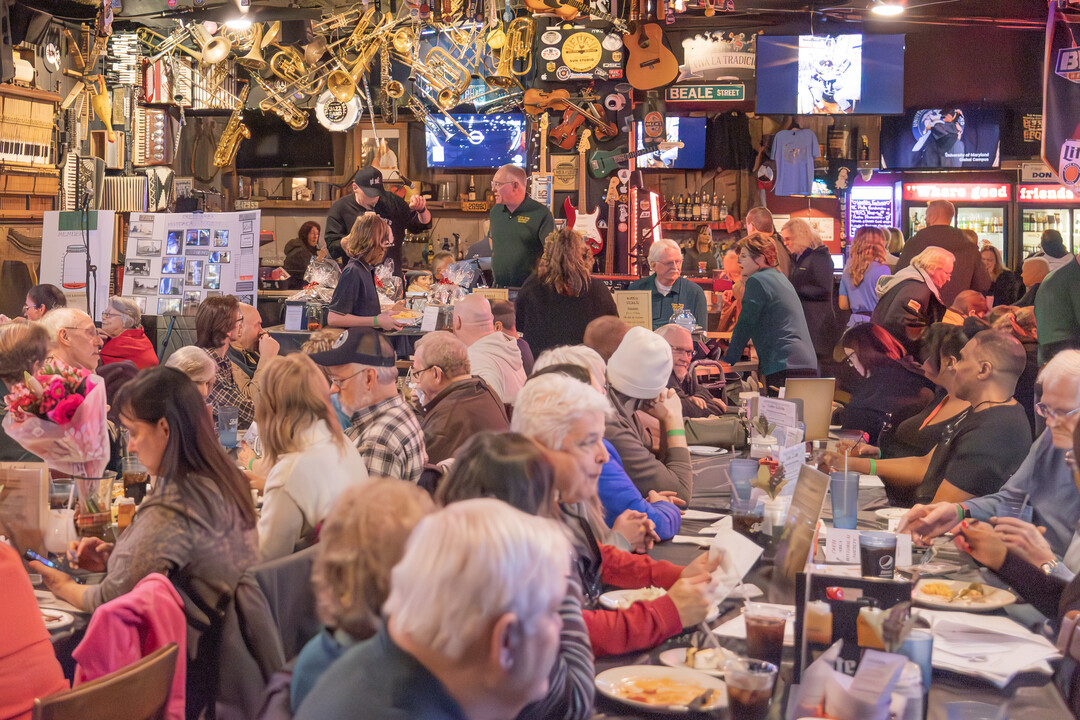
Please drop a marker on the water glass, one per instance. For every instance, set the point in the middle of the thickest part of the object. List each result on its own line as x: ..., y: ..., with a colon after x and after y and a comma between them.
x: 844, y: 489
x: 750, y: 688
x: 743, y: 473
x: 1018, y: 508
x: 228, y: 421
x: 918, y: 647
x: 968, y: 710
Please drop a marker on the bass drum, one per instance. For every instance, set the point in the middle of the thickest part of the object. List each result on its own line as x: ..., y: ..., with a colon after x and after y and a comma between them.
x: 337, y: 116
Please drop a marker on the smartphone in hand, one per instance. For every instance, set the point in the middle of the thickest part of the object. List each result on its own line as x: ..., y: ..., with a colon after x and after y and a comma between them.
x: 31, y: 555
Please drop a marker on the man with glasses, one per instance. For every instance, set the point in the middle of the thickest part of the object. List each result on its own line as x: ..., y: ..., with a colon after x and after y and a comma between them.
x: 1043, y: 483
x: 518, y: 226
x: 75, y: 339
x: 696, y: 402
x: 668, y: 288
x: 456, y: 405
x: 362, y: 367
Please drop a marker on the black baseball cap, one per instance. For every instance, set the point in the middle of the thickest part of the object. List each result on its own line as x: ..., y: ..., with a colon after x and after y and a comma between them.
x: 363, y: 346
x: 369, y: 180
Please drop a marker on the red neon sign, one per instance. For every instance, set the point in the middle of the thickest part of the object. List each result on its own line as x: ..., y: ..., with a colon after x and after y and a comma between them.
x: 978, y: 192
x: 1045, y: 193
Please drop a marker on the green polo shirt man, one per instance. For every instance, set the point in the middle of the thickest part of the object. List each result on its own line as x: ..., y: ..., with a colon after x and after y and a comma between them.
x: 518, y: 227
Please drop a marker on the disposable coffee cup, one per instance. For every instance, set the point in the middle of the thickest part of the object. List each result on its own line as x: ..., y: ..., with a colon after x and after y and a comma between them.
x: 877, y: 554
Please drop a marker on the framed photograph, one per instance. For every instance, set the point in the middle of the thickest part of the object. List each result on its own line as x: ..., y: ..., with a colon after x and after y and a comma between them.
x: 138, y: 267
x: 386, y: 148
x: 172, y: 266
x: 195, y: 272
x: 221, y: 238
x: 167, y: 306
x: 192, y: 298
x: 220, y: 256
x: 204, y: 238
x: 141, y: 302
x: 171, y: 286
x: 144, y: 287
x: 173, y: 242
x: 191, y: 238
x: 148, y: 247
x: 212, y: 278
x: 142, y: 228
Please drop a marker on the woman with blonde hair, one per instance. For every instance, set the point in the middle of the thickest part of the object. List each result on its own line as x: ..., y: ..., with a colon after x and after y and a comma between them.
x: 812, y: 278
x: 561, y: 298
x: 200, y: 368
x: 1005, y: 285
x: 363, y: 538
x: 311, y: 462
x: 894, y: 245
x: 866, y: 264
x: 356, y: 299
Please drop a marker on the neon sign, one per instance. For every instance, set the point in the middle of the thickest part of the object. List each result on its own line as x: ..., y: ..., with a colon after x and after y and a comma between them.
x: 982, y: 192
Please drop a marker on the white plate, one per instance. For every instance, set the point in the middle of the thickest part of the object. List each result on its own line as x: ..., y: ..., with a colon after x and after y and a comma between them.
x: 617, y: 599
x: 56, y: 619
x: 707, y: 450
x: 890, y: 513
x: 994, y: 599
x: 610, y: 681
x: 676, y: 658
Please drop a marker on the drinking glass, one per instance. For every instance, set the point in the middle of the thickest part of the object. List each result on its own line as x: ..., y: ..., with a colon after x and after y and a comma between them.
x: 750, y: 688
x: 844, y: 489
x: 765, y: 632
x: 1018, y: 508
x: 135, y: 477
x: 228, y: 421
x: 918, y: 647
x: 877, y: 554
x: 743, y: 472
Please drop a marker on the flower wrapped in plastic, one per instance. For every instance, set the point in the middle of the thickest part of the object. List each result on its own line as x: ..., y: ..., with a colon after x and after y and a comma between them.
x: 389, y: 284
x: 59, y: 415
x: 323, y: 272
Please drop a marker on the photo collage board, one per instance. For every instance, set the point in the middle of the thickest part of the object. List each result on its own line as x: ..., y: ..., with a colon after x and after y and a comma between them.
x: 176, y: 260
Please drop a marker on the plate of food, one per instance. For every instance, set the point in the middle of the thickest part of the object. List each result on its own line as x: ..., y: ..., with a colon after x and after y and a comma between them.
x: 663, y: 689
x: 623, y: 599
x: 887, y: 514
x: 56, y: 619
x: 707, y: 660
x: 960, y: 595
x: 409, y: 317
x: 707, y: 450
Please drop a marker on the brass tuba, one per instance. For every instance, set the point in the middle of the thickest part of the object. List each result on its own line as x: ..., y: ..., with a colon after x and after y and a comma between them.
x: 446, y: 77
x: 519, y: 40
x: 213, y: 49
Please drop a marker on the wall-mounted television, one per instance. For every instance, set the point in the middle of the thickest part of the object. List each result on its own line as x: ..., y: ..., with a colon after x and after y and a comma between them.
x: 962, y: 138
x: 488, y: 141
x: 273, y: 145
x: 830, y: 74
x: 690, y: 131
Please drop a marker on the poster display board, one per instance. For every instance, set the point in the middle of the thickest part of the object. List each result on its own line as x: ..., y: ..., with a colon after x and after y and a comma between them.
x: 177, y: 260
x: 68, y: 238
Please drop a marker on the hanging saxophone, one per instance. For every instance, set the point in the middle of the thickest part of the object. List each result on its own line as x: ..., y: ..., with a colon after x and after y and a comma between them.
x: 235, y: 132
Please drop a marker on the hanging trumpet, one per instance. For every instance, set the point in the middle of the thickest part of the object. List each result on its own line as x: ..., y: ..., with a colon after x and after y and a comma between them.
x: 339, y: 21
x: 518, y: 48
x: 280, y: 105
x: 161, y: 45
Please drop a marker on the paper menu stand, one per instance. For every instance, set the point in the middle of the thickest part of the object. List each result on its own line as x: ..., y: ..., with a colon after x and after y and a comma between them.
x: 24, y: 503
x: 858, y: 593
x: 635, y: 307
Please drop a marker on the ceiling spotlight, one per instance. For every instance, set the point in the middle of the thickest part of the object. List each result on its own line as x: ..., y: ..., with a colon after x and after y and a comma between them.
x: 887, y: 9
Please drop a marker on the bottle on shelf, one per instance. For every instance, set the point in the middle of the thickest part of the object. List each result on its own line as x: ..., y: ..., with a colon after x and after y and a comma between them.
x: 682, y: 209
x: 706, y: 208
x: 723, y: 209
x: 472, y: 189
x: 695, y: 212
x: 429, y: 253
x: 714, y: 209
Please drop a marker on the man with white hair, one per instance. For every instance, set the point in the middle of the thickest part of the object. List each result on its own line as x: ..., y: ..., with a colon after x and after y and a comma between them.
x: 911, y: 300
x: 1044, y: 479
x: 696, y: 402
x: 75, y: 340
x: 492, y: 355
x: 472, y: 629
x: 245, y: 351
x: 969, y: 273
x: 669, y: 288
x: 361, y: 364
x: 518, y: 226
x: 456, y: 405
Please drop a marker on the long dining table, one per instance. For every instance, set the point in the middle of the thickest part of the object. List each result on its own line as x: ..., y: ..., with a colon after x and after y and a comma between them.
x: 1028, y: 695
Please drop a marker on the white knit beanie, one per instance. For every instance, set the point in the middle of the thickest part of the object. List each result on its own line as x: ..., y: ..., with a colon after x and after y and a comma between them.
x: 641, y: 365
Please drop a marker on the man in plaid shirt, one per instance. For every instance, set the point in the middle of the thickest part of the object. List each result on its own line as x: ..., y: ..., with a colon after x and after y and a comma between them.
x: 385, y: 429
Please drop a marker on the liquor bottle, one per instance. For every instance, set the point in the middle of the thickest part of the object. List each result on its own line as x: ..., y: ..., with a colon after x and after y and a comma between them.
x: 429, y: 253
x: 472, y: 189
x: 714, y: 209
x: 682, y: 209
x: 723, y: 209
x: 706, y: 207
x: 696, y: 211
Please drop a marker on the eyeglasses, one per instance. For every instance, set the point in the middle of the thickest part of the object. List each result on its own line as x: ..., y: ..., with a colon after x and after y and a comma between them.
x: 1050, y: 413
x: 90, y: 332
x: 681, y: 351
x: 105, y: 315
x: 495, y: 184
x: 415, y: 374
x: 848, y: 358
x: 26, y: 308
x: 341, y: 381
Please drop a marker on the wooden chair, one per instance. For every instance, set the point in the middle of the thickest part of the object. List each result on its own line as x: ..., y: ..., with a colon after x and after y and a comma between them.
x: 137, y: 692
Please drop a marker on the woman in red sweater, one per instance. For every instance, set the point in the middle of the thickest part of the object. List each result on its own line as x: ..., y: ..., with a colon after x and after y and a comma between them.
x: 28, y: 666
x: 121, y: 329
x: 565, y: 415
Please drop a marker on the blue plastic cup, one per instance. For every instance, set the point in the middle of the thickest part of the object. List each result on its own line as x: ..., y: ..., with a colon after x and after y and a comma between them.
x: 228, y: 421
x: 1014, y: 508
x: 919, y: 649
x: 844, y: 488
x: 743, y: 473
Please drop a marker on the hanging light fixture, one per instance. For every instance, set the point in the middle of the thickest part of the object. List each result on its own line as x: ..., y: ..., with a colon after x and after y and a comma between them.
x: 887, y: 8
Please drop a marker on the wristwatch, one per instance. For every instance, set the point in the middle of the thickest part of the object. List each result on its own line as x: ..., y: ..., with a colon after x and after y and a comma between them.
x: 1048, y: 566
x: 1057, y: 569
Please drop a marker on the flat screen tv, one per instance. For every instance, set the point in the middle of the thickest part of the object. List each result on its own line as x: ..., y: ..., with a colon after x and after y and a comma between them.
x: 830, y: 75
x: 273, y: 145
x: 962, y: 138
x: 690, y: 131
x: 488, y: 141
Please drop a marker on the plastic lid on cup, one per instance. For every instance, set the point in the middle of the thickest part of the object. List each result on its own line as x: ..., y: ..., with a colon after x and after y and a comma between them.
x: 877, y: 539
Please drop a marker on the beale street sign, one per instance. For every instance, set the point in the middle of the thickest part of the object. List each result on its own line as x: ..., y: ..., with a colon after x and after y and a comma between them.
x: 709, y: 93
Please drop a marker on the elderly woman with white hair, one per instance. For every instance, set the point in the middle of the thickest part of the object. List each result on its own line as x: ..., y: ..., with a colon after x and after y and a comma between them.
x: 812, y: 277
x: 911, y: 299
x: 121, y: 323
x: 667, y: 286
x: 567, y: 416
x: 197, y: 365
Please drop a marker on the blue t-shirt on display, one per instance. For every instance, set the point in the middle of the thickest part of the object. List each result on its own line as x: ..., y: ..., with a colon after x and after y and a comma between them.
x: 794, y: 152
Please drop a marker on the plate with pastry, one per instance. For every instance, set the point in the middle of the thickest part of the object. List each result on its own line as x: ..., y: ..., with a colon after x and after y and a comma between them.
x: 663, y: 689
x: 960, y: 595
x: 707, y: 660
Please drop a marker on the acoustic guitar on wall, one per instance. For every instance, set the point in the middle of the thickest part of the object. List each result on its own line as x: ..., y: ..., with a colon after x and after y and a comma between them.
x: 650, y: 64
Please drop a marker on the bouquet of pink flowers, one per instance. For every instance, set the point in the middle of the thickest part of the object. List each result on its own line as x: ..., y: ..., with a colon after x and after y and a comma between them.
x: 59, y: 415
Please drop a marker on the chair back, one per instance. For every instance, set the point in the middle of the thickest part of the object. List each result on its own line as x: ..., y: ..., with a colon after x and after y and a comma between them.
x: 136, y: 692
x: 1067, y: 676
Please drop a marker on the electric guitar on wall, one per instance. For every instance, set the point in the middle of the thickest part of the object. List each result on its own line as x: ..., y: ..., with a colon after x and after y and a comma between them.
x: 612, y: 224
x: 604, y: 162
x: 542, y: 181
x: 650, y: 64
x: 578, y: 218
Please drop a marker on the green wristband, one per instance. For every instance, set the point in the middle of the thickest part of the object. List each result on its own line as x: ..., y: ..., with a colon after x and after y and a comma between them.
x: 873, y: 466
x: 676, y: 431
x: 375, y: 321
x: 251, y: 464
x: 960, y: 512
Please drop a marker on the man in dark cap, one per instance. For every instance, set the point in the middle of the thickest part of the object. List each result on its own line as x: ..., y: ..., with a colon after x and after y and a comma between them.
x: 368, y: 195
x: 386, y: 431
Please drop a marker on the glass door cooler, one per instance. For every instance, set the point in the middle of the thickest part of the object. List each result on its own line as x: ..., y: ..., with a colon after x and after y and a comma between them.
x: 981, y: 207
x: 1048, y: 207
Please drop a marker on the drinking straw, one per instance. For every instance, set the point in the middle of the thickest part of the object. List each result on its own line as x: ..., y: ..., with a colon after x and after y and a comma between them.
x: 71, y: 496
x: 1023, y: 505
